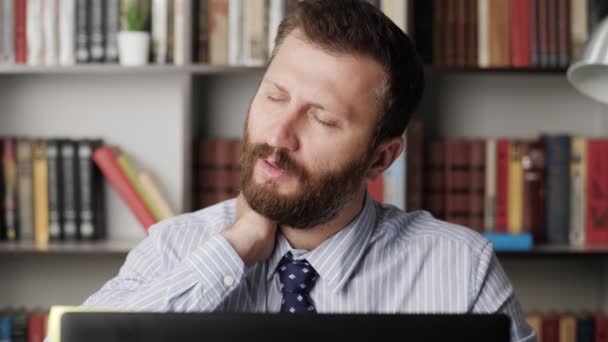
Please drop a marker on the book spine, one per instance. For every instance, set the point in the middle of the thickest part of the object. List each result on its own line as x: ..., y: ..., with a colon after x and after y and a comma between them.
x: 500, y: 34
x: 20, y: 31
x: 578, y: 28
x: 82, y: 31
x: 563, y: 26
x: 520, y: 33
x: 461, y: 34
x: 96, y: 32
x: 112, y: 26
x: 450, y: 33
x: 516, y: 191
x: 553, y: 33
x: 276, y: 15
x: 51, y: 32
x: 490, y: 188
x: 182, y: 32
x: 160, y: 21
x: 2, y: 195
x: 9, y: 160
x: 472, y: 35
x: 550, y: 328
x: 202, y: 36
x: 69, y: 180
x: 41, y: 193
x: 543, y: 33
x: 484, y: 33
x: 534, y: 34
x: 55, y: 190
x: 35, y: 34
x: 105, y: 158
x: 130, y: 171
x: 503, y: 147
x: 234, y: 32
x: 567, y: 328
x: 152, y: 188
x: 597, y: 191
x: 7, y: 32
x: 578, y: 194
x: 435, y: 183
x: 558, y: 188
x: 26, y: 191
x: 414, y: 165
x: 439, y: 22
x: 477, y: 164
x: 67, y: 32
x: 85, y: 186
x: 457, y: 181
x: 534, y: 189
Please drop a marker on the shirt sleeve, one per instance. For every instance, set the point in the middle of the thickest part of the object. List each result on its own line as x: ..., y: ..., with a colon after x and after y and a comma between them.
x: 198, y: 282
x: 493, y: 293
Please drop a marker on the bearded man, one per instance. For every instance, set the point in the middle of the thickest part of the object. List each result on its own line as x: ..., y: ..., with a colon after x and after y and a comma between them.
x: 304, y: 235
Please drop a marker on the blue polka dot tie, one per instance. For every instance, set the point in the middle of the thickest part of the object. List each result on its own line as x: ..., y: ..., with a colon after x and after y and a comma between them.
x: 296, y: 278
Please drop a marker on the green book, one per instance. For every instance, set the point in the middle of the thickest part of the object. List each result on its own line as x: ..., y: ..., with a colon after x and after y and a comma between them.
x: 129, y: 169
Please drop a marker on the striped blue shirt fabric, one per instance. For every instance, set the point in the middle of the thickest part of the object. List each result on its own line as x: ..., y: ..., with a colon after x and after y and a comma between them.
x: 384, y: 261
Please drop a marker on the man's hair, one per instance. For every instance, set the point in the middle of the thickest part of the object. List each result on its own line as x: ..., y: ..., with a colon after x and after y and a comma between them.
x: 357, y: 27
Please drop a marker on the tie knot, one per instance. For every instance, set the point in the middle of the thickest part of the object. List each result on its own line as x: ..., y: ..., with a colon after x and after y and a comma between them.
x: 296, y: 275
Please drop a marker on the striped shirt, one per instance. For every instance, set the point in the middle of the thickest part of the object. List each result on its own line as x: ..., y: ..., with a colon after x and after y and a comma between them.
x: 384, y: 261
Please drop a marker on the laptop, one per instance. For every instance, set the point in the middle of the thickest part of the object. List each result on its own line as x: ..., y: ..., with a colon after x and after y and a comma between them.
x: 215, y: 327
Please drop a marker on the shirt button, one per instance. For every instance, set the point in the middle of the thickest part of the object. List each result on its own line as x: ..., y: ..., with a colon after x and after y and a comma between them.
x: 228, y: 280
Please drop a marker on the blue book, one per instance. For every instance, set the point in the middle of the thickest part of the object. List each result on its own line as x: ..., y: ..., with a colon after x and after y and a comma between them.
x: 6, y: 331
x: 510, y: 242
x: 585, y: 329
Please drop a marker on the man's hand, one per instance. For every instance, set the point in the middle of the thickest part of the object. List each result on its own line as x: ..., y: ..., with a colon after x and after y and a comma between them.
x: 252, y: 235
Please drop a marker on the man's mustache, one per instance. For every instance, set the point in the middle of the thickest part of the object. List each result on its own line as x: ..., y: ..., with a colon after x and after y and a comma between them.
x: 282, y: 159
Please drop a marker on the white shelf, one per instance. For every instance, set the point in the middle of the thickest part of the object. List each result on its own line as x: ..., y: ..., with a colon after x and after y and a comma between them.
x: 113, y: 69
x: 105, y: 247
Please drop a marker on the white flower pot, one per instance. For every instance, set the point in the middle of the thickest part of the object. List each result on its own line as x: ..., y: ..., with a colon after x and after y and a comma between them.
x: 133, y: 48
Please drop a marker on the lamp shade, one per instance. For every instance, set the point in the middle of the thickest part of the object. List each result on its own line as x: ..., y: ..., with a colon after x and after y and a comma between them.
x: 590, y: 74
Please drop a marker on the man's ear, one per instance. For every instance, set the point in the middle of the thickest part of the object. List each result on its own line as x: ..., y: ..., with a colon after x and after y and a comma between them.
x: 383, y: 156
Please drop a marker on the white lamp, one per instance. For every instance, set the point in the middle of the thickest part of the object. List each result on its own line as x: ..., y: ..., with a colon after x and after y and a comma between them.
x: 590, y: 74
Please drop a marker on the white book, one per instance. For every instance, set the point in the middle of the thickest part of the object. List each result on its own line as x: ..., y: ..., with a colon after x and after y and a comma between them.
x: 393, y: 183
x: 483, y: 33
x: 490, y: 193
x: 254, y: 35
x: 35, y: 36
x: 67, y: 32
x: 579, y: 26
x: 7, y: 32
x: 578, y: 193
x: 160, y: 24
x: 276, y: 13
x: 398, y: 12
x: 51, y: 34
x: 235, y: 32
x: 183, y: 32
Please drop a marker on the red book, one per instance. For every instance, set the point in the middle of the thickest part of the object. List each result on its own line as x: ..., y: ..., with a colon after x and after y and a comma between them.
x: 20, y: 31
x: 601, y: 328
x: 375, y: 188
x: 597, y: 191
x: 502, y: 184
x: 534, y: 189
x: 457, y: 182
x: 105, y: 158
x: 477, y: 187
x: 434, y: 178
x: 35, y: 328
x: 520, y: 41
x: 550, y: 329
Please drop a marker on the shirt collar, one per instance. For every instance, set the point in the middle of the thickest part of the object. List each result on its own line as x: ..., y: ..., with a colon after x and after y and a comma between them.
x: 336, y: 258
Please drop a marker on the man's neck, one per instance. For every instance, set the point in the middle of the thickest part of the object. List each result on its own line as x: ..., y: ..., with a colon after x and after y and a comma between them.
x: 309, y: 239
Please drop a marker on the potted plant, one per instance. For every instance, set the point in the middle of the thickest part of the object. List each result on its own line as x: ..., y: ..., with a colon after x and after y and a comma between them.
x: 134, y: 43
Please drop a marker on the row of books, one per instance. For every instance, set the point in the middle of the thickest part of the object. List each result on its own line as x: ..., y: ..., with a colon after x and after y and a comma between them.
x: 50, y: 190
x: 505, y: 33
x: 21, y: 325
x: 554, y: 187
x: 216, y: 170
x: 138, y: 189
x: 583, y: 327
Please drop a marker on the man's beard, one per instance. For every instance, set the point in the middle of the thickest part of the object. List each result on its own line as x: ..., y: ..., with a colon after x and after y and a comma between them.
x: 318, y: 198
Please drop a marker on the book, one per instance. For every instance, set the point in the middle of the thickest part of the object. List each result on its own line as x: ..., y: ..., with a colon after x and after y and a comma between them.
x: 515, y: 188
x: 579, y: 33
x: 7, y: 31
x: 130, y: 171
x: 477, y: 182
x: 70, y: 196
x: 112, y: 27
x: 578, y: 192
x: 2, y: 195
x: 520, y: 33
x: 151, y: 187
x: 20, y: 31
x: 457, y: 181
x: 105, y: 159
x: 160, y: 22
x: 471, y: 28
x: 414, y: 165
x: 25, y: 188
x: 41, y: 193
x: 597, y: 191
x: 550, y: 328
x: 182, y: 31
x: 558, y: 188
x: 276, y: 13
x: 55, y: 192
x: 534, y: 185
x: 567, y: 328
x: 67, y: 32
x: 35, y: 33
x: 500, y: 34
x: 585, y: 329
x: 490, y: 187
x: 535, y: 322
x: 91, y: 193
x: 9, y: 161
x: 82, y: 31
x: 483, y: 33
x: 219, y: 40
x: 50, y: 29
x: 96, y: 30
x: 563, y: 34
x: 505, y: 242
x: 503, y: 147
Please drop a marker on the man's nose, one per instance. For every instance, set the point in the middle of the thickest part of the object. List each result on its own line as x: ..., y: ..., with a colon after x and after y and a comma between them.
x: 284, y: 131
